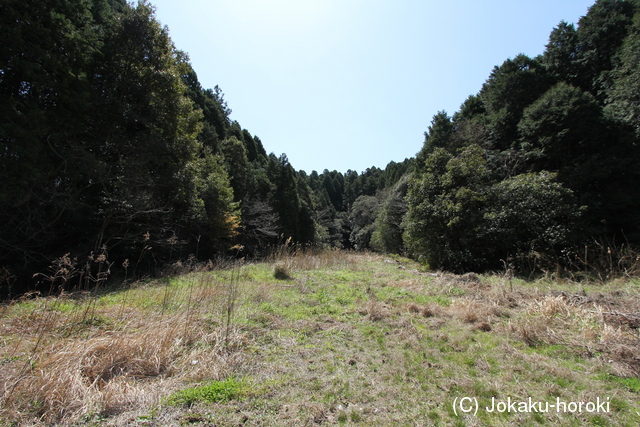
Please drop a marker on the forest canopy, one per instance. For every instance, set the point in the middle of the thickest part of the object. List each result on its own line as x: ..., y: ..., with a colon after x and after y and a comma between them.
x: 110, y: 145
x: 541, y: 161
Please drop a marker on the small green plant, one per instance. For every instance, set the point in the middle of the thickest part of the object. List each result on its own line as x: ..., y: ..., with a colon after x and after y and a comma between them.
x: 355, y: 416
x: 216, y: 391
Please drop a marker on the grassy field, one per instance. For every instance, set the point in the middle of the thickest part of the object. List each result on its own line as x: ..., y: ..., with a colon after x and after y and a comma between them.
x: 330, y: 338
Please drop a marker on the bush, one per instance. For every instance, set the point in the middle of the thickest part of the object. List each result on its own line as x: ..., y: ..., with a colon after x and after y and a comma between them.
x: 281, y: 272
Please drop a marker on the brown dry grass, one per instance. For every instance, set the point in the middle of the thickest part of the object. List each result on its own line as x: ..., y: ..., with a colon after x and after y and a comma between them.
x: 115, y: 371
x: 61, y: 365
x: 604, y: 321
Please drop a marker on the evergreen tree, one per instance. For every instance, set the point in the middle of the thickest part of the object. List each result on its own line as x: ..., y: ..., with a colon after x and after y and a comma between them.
x: 623, y: 101
x: 438, y: 136
x: 565, y: 126
x: 285, y: 199
x: 561, y: 54
x: 234, y: 154
x: 508, y: 91
x: 100, y: 138
x: 601, y: 32
x: 46, y: 60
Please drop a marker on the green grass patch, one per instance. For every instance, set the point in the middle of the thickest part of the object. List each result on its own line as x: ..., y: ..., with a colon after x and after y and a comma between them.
x: 631, y: 383
x: 215, y: 391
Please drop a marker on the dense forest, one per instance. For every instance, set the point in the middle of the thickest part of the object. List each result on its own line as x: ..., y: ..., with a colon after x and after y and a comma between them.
x: 112, y: 149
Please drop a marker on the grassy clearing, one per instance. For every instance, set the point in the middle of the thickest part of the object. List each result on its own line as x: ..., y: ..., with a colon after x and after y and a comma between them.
x: 328, y: 338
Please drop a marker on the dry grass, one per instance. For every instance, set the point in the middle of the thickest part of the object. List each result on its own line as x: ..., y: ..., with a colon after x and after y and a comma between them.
x: 116, y: 371
x: 375, y: 310
x: 63, y: 365
x: 291, y: 256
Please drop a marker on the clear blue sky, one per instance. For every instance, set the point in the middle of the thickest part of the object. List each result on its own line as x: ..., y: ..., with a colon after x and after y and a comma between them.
x: 350, y: 84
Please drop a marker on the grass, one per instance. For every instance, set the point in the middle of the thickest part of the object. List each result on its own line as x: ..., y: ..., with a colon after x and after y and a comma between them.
x: 344, y: 339
x: 215, y: 391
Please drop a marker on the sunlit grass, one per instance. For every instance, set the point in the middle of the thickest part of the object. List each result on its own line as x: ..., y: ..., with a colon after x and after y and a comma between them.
x: 348, y: 339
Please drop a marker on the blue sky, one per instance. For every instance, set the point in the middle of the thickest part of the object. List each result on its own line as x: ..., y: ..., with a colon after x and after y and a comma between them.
x: 350, y: 84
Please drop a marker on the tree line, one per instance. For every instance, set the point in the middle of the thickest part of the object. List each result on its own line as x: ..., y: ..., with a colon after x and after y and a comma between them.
x: 542, y: 160
x: 110, y: 145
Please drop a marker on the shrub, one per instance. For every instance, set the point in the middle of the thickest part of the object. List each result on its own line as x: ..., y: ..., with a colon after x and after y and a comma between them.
x: 281, y: 272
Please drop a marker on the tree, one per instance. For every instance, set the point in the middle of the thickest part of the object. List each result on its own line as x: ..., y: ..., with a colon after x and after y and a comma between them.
x: 143, y: 131
x: 234, y: 155
x: 285, y: 199
x: 215, y: 121
x: 561, y: 54
x: 389, y: 225
x: 445, y: 203
x: 509, y: 90
x: 529, y: 216
x: 565, y: 125
x: 260, y: 225
x: 623, y: 101
x: 438, y: 136
x: 601, y: 33
x: 459, y: 218
x: 250, y: 145
x: 100, y: 143
x: 213, y: 214
x: 46, y: 58
x: 362, y: 216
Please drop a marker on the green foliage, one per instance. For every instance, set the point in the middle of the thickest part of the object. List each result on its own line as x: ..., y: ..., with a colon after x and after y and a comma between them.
x: 601, y: 32
x: 47, y: 50
x: 510, y: 88
x: 103, y: 143
x: 214, y: 213
x: 109, y: 139
x: 560, y: 55
x: 438, y: 135
x: 542, y: 159
x: 445, y: 209
x: 389, y: 224
x: 564, y: 125
x: 459, y: 218
x: 286, y: 199
x: 362, y: 216
x: 624, y: 95
x: 236, y: 162
x: 530, y: 213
